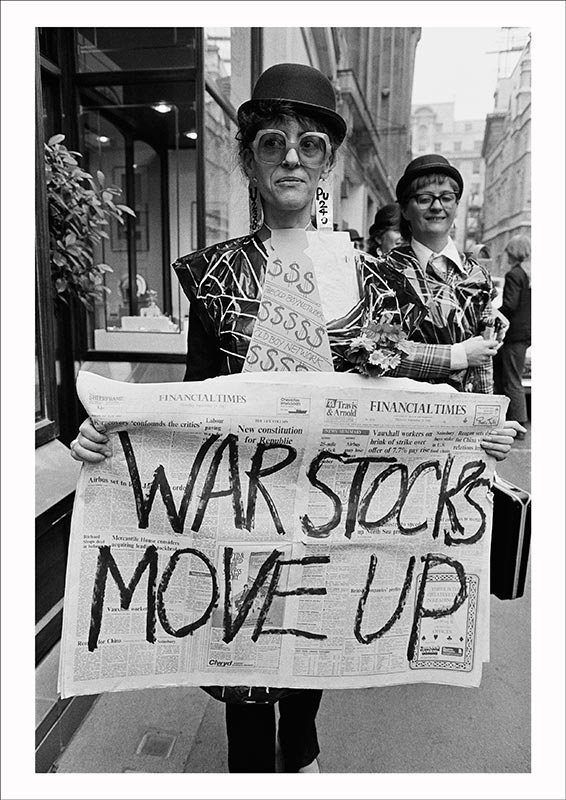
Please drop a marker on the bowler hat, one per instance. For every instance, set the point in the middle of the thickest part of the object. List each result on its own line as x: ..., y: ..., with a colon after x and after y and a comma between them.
x: 306, y: 88
x: 424, y: 165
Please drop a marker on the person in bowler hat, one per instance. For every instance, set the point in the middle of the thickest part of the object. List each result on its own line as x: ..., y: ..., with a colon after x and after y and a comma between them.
x: 455, y: 288
x: 288, y: 136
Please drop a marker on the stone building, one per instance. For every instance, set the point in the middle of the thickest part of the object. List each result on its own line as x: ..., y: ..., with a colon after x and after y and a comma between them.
x: 507, y: 154
x: 435, y: 130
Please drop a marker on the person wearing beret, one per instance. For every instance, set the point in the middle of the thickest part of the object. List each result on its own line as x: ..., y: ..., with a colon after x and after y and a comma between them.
x: 456, y: 290
x: 289, y: 133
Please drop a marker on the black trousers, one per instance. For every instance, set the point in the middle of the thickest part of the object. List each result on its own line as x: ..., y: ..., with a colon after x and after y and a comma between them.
x: 508, y: 366
x: 251, y: 733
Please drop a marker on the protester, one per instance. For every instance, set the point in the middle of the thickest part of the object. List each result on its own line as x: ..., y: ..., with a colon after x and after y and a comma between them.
x: 288, y: 136
x: 516, y: 306
x: 456, y: 290
x: 384, y: 233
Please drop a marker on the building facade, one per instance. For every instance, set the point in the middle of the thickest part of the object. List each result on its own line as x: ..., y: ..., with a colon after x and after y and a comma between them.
x: 154, y: 111
x: 507, y: 154
x: 435, y: 130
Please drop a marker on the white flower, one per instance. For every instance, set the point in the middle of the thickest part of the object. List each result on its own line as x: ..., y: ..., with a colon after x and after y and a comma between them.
x: 384, y: 358
x: 363, y: 341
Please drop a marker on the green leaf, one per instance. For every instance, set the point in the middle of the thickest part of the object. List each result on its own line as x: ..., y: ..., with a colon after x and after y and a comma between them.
x: 126, y: 209
x: 100, y: 176
x: 59, y: 137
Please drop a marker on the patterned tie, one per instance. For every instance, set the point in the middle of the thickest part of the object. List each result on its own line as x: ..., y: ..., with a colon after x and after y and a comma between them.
x: 290, y: 331
x: 439, y: 263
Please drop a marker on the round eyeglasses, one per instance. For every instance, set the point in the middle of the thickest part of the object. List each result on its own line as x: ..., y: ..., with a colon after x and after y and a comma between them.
x: 271, y: 147
x: 426, y: 199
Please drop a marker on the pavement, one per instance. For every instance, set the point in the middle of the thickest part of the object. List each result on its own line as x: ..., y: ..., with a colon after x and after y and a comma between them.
x: 421, y: 728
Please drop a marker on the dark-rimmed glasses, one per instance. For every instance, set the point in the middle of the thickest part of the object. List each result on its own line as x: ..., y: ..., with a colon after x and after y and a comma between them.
x: 271, y: 146
x: 426, y: 199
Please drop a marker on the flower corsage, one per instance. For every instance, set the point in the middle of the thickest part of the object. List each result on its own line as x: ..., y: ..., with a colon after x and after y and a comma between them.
x: 378, y: 348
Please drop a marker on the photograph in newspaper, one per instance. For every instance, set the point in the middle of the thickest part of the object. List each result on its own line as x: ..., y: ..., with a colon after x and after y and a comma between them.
x: 307, y: 531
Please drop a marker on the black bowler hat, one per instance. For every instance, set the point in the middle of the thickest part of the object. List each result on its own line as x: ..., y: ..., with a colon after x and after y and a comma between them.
x: 424, y: 165
x: 306, y: 88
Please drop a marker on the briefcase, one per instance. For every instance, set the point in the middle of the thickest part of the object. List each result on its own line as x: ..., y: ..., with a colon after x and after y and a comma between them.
x: 510, y: 539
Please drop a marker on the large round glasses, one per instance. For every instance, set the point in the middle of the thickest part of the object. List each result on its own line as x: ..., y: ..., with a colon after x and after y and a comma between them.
x: 426, y: 199
x: 271, y: 147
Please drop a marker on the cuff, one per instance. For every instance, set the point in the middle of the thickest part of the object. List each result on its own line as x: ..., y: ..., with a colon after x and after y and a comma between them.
x: 458, y: 357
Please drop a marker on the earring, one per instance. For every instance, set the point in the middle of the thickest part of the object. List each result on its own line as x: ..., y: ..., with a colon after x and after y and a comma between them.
x: 255, y: 207
x: 323, y: 204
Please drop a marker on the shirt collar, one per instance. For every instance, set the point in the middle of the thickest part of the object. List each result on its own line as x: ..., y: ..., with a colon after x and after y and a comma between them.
x: 423, y: 253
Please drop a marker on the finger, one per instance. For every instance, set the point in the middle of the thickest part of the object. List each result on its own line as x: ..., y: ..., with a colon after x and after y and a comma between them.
x: 495, y: 447
x: 515, y: 426
x: 86, y: 456
x: 88, y: 430
x: 94, y: 447
x: 503, y: 440
x: 503, y: 431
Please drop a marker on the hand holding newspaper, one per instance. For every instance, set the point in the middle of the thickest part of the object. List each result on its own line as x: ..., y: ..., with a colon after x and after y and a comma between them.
x: 292, y: 530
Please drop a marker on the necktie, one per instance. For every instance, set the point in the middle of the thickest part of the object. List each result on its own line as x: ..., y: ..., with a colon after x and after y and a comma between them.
x: 290, y: 330
x: 439, y: 264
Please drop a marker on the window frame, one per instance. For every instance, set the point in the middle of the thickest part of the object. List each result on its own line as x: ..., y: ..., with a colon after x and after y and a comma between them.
x: 47, y: 428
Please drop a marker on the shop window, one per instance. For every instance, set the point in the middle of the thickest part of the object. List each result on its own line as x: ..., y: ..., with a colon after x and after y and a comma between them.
x: 148, y: 151
x: 48, y: 42
x: 124, y: 49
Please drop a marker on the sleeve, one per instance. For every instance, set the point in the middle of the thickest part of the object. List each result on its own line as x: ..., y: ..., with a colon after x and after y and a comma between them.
x: 511, y: 295
x: 424, y: 362
x: 203, y: 350
x: 480, y: 379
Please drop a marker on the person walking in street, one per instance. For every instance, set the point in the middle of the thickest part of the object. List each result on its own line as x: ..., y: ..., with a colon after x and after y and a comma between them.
x: 456, y: 290
x: 384, y: 234
x: 516, y: 306
x: 289, y: 133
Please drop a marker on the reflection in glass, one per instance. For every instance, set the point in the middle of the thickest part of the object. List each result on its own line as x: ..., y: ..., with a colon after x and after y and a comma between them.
x: 228, y: 72
x: 136, y: 147
x: 115, y: 49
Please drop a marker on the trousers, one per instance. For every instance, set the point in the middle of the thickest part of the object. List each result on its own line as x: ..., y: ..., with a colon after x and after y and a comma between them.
x: 508, y: 366
x: 251, y: 727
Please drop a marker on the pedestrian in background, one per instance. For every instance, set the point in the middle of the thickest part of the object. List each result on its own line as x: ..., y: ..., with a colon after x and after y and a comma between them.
x: 454, y: 287
x: 509, y: 363
x: 356, y: 239
x: 384, y: 234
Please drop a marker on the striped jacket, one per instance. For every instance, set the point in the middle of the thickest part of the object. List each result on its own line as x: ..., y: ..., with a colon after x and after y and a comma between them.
x: 223, y: 283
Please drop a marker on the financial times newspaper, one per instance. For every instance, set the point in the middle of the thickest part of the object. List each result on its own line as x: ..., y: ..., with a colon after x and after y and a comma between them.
x: 303, y: 530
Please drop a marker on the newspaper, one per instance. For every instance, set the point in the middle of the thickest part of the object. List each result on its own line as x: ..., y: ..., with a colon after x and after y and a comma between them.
x: 305, y: 530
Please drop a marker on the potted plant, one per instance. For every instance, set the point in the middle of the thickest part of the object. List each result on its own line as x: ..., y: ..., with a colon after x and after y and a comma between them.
x: 80, y: 209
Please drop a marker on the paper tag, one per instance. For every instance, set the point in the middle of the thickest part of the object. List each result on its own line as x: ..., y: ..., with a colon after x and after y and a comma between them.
x: 323, y: 204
